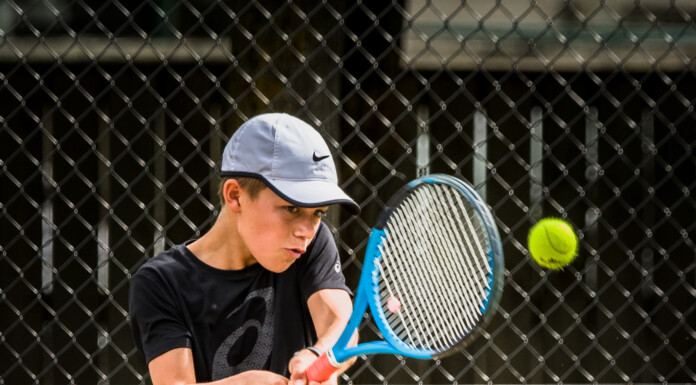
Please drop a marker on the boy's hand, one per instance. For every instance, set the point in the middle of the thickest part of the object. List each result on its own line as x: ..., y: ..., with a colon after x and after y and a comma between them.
x: 299, y: 364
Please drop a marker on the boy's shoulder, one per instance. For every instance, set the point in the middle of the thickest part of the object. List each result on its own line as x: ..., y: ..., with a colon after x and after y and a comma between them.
x: 167, y: 262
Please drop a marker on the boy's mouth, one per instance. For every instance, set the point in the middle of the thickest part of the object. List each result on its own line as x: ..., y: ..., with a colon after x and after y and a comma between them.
x: 295, y: 253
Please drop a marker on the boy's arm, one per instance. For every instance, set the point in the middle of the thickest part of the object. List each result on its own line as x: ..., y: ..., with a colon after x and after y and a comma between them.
x: 330, y: 310
x: 175, y: 367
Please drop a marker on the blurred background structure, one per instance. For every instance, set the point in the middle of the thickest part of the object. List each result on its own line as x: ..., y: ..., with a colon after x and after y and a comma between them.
x: 114, y: 113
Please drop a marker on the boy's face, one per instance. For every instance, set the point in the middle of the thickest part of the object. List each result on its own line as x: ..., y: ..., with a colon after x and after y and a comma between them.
x: 275, y: 232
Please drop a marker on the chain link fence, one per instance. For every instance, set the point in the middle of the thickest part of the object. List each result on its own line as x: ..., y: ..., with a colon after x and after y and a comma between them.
x: 114, y: 113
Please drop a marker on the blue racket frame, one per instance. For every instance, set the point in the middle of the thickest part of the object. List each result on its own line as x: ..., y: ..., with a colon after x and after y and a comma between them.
x: 368, y: 293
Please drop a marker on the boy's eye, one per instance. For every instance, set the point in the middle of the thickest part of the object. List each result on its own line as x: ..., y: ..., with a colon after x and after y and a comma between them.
x: 291, y: 209
x: 320, y: 214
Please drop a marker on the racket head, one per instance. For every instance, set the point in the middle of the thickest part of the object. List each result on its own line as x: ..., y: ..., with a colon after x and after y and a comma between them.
x: 436, y: 271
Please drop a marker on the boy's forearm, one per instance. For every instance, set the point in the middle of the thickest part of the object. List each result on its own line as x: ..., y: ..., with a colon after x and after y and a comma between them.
x: 330, y: 311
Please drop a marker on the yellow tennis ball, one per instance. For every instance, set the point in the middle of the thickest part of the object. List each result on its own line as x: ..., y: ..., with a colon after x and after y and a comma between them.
x: 552, y: 243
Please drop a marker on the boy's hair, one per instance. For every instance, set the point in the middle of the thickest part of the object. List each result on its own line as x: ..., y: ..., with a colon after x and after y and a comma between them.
x: 252, y: 186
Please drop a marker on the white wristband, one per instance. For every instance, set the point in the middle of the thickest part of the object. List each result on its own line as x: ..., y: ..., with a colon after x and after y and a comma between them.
x: 312, y: 349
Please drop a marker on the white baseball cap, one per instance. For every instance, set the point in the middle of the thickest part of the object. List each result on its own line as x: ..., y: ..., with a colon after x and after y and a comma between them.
x: 291, y: 158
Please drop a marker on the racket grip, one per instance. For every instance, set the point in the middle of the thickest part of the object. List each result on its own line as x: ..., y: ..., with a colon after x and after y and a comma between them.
x: 322, y: 368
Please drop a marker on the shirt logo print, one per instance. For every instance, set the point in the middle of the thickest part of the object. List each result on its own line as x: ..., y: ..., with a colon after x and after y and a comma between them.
x: 261, y: 350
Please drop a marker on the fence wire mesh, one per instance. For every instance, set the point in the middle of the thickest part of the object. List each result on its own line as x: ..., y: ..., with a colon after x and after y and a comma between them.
x: 114, y: 113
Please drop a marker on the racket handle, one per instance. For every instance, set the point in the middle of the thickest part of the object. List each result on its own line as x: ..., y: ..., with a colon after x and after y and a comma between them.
x: 322, y: 368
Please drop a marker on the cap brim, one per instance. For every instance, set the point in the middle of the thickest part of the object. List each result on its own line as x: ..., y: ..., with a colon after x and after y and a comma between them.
x: 312, y: 193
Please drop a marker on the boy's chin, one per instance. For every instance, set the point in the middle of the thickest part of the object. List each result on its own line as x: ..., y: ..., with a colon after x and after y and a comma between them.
x: 277, y: 267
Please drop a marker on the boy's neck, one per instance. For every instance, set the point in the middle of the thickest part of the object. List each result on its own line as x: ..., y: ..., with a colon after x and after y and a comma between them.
x: 221, y: 247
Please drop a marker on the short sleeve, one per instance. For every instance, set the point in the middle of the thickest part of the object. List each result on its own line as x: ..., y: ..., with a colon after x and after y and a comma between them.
x: 156, y: 321
x: 321, y: 268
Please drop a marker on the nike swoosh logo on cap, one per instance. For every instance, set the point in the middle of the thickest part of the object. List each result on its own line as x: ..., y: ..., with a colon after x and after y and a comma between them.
x: 319, y: 158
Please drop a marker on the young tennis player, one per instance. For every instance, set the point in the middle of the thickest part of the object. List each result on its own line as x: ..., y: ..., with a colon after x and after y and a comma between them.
x: 259, y: 296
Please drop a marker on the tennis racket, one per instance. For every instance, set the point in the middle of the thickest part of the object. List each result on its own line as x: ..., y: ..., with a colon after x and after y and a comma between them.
x: 432, y: 275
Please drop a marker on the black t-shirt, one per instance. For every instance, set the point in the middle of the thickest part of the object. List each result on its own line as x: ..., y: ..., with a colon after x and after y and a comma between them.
x: 232, y: 320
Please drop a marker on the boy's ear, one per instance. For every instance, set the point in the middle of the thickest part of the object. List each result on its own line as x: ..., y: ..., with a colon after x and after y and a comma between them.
x: 231, y: 192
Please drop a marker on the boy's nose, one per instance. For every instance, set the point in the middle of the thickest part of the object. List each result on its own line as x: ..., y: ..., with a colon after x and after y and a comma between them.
x: 305, y: 229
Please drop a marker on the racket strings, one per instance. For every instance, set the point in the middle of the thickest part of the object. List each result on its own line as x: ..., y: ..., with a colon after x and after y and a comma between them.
x: 440, y: 224
x: 448, y: 227
x: 421, y: 299
x: 438, y: 275
x: 434, y: 261
x: 412, y: 296
x: 440, y: 281
x: 476, y: 252
x: 417, y: 296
